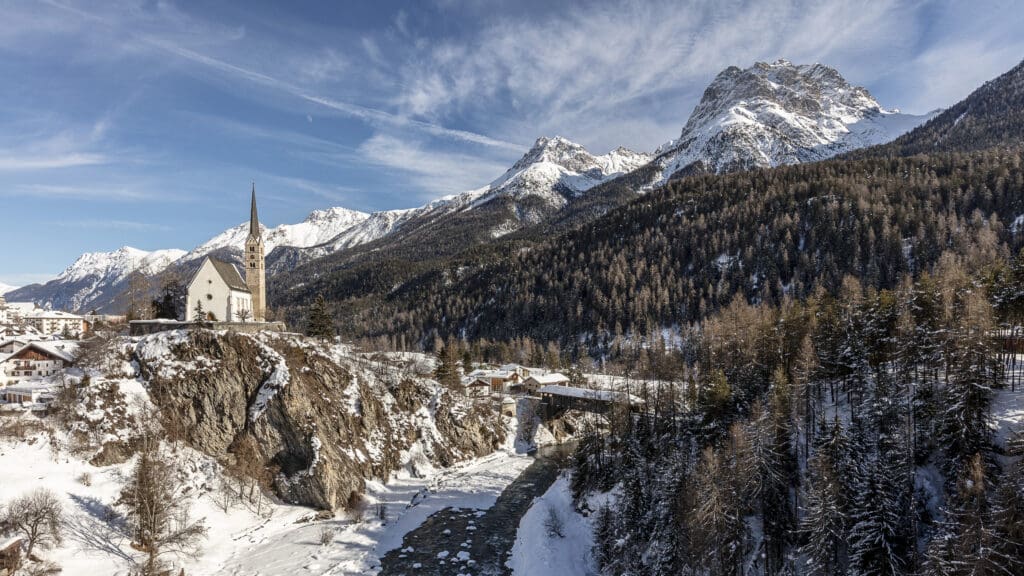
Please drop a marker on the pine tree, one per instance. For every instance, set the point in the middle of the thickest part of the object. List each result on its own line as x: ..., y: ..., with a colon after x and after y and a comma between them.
x: 825, y: 522
x: 1008, y: 514
x: 320, y: 323
x: 878, y: 539
x: 199, y: 315
x: 447, y: 371
x: 973, y: 371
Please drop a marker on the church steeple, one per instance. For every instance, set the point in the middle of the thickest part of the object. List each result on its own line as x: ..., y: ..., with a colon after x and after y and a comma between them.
x: 254, y: 219
x: 255, y: 272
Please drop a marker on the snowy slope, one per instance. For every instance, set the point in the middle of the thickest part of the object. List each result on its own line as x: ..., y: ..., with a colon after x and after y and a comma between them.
x: 115, y: 266
x: 556, y: 168
x: 319, y: 227
x: 95, y: 278
x: 780, y: 113
x: 5, y: 288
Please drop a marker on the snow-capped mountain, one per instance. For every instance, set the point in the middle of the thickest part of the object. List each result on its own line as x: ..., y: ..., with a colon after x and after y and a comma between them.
x: 5, y: 288
x: 765, y: 115
x: 319, y: 227
x: 780, y: 113
x: 555, y: 169
x: 95, y: 278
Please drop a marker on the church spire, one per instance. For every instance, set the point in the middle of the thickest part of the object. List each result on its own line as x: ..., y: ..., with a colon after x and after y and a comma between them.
x: 254, y: 219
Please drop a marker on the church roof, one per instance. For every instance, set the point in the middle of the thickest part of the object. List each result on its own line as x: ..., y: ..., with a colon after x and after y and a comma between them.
x: 229, y: 274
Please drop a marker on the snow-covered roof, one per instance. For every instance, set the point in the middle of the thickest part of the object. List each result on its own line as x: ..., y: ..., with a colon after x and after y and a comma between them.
x: 29, y: 388
x: 63, y: 349
x: 602, y: 395
x: 19, y: 340
x: 54, y: 315
x: 552, y: 378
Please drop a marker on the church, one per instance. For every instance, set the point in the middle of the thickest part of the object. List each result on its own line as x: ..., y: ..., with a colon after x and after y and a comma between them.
x: 217, y: 292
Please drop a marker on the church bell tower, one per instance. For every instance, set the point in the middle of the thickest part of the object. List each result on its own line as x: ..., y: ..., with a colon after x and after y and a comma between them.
x: 255, y: 273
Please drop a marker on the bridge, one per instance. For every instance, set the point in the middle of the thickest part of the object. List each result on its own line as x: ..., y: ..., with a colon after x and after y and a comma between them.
x: 557, y: 399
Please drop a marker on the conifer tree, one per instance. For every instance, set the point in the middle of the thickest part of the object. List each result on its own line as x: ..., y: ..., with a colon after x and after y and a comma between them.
x: 973, y: 372
x: 825, y: 522
x: 447, y: 371
x: 320, y: 323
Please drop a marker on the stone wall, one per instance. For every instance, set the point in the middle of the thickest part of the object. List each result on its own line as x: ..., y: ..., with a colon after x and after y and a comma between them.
x: 144, y: 327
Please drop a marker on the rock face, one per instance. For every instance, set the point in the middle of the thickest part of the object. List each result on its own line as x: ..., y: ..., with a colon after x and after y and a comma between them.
x: 322, y: 420
x: 779, y: 113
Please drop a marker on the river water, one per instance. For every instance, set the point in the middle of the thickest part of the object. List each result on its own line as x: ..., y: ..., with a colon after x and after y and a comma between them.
x: 473, y: 542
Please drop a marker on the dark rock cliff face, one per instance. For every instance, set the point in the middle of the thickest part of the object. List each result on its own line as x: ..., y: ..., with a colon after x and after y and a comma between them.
x: 322, y: 420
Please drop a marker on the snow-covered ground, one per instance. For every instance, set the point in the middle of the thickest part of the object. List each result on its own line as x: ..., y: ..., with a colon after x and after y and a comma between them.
x: 283, y: 547
x: 536, y: 552
x: 282, y: 540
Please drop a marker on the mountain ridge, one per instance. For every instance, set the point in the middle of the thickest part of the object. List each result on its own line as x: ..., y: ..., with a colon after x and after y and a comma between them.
x: 765, y: 115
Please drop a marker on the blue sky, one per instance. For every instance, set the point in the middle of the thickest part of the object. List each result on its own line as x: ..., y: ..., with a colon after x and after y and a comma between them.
x: 142, y: 123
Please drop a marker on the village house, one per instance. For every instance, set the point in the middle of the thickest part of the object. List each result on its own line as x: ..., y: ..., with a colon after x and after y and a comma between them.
x: 476, y: 387
x: 56, y: 322
x: 535, y: 382
x: 17, y: 311
x: 28, y: 394
x: 9, y: 345
x: 37, y: 359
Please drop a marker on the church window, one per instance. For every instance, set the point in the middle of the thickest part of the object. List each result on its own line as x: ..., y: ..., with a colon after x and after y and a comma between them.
x: 252, y: 264
x: 209, y: 296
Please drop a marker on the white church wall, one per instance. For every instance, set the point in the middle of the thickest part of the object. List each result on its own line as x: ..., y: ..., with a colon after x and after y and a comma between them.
x: 209, y: 288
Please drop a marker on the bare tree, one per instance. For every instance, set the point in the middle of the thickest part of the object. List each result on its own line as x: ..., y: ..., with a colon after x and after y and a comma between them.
x: 158, y: 514
x: 243, y: 315
x: 37, y: 516
x: 553, y: 524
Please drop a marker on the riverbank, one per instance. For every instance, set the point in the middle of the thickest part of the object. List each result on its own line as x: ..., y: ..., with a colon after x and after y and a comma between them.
x: 476, y: 540
x: 280, y: 546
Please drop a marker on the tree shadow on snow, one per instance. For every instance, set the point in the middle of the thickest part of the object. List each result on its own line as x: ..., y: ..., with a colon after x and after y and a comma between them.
x: 99, y: 528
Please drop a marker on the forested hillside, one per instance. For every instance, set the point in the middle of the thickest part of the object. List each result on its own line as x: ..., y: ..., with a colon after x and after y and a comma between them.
x: 687, y: 249
x: 991, y: 116
x: 857, y: 434
x: 612, y: 270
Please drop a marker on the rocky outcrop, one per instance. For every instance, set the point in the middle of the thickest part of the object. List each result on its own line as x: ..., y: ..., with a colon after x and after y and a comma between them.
x: 322, y: 420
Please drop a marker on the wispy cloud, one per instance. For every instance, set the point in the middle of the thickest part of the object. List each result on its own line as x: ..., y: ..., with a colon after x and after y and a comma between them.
x: 435, y: 172
x: 117, y: 191
x: 594, y: 74
x: 13, y: 162
x: 115, y: 224
x: 374, y: 116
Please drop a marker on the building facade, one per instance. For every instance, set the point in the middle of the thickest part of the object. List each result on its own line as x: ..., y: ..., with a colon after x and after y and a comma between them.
x: 56, y: 322
x: 36, y: 360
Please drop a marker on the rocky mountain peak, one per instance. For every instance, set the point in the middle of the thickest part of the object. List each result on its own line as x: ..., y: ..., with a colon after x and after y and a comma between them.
x: 779, y: 113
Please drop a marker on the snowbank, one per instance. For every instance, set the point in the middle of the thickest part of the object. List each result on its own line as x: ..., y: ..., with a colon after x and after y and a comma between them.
x: 536, y: 553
